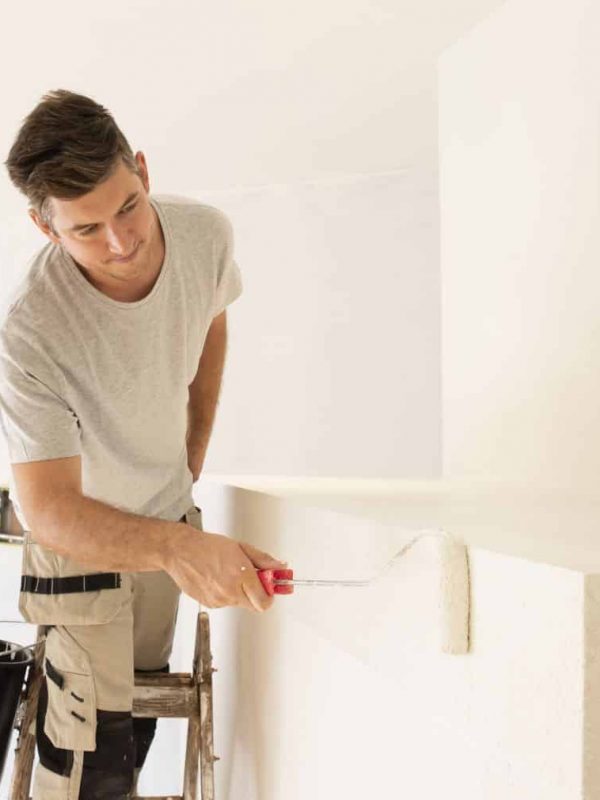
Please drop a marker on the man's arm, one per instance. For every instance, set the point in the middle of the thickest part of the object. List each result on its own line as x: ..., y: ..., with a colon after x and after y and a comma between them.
x: 204, y: 393
x: 90, y: 532
x: 213, y: 569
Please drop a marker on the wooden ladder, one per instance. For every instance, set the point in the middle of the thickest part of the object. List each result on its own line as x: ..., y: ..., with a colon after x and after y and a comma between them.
x: 155, y: 694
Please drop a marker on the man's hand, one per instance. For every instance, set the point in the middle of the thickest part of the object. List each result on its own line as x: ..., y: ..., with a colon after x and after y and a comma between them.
x: 218, y: 571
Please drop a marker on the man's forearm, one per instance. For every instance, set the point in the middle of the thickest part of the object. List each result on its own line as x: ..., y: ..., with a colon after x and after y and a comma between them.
x: 204, y: 389
x: 98, y: 535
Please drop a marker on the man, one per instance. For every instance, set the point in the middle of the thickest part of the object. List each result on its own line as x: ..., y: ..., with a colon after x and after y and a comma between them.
x: 111, y: 356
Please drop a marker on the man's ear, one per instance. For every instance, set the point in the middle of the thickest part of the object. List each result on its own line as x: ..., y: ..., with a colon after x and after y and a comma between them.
x: 143, y: 167
x: 45, y: 229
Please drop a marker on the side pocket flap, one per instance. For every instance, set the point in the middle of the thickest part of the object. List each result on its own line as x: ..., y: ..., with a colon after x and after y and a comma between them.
x: 71, y: 715
x: 54, y: 675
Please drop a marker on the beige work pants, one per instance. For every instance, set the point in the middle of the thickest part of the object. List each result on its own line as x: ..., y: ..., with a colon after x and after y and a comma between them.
x: 87, y: 740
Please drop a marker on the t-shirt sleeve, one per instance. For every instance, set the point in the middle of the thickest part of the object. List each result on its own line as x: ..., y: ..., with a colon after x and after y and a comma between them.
x: 35, y: 419
x: 228, y: 280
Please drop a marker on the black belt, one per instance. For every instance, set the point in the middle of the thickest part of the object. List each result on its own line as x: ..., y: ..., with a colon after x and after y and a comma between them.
x: 71, y: 584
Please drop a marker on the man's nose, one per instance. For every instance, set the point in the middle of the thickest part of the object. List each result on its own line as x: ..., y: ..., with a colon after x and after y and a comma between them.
x: 119, y: 242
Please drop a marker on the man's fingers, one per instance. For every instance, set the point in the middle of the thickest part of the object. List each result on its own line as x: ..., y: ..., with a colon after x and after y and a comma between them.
x: 258, y: 598
x: 252, y: 594
x: 253, y: 588
x: 260, y: 559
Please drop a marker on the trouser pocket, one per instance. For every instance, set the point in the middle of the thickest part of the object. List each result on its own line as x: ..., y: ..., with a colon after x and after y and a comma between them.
x: 70, y: 721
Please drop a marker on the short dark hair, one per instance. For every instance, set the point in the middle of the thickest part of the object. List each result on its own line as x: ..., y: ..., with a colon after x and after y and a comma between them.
x: 65, y: 147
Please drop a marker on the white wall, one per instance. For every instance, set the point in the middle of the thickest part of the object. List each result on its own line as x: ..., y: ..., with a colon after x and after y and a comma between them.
x: 345, y: 692
x: 334, y: 352
x: 520, y: 244
x: 314, y: 127
x: 256, y: 101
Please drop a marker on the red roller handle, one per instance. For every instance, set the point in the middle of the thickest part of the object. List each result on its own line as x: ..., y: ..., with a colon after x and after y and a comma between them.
x: 268, y: 576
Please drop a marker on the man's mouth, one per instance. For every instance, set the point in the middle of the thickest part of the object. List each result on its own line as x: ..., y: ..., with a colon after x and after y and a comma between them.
x: 126, y: 258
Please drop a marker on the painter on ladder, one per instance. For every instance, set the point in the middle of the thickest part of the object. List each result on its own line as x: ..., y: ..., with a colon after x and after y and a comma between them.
x: 111, y: 356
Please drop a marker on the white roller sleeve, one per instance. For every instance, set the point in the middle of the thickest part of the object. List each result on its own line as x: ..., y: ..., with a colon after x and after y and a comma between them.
x: 454, y: 588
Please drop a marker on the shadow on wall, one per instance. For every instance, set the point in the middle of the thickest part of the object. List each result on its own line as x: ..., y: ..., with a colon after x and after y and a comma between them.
x: 253, y: 645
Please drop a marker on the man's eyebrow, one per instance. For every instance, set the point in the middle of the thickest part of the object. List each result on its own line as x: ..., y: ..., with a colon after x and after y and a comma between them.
x: 128, y: 200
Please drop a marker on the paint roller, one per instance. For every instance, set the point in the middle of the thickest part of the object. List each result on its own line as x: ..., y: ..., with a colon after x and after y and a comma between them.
x: 454, y: 586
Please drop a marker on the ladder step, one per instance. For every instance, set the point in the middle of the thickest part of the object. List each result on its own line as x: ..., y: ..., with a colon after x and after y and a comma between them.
x: 155, y: 699
x: 163, y: 679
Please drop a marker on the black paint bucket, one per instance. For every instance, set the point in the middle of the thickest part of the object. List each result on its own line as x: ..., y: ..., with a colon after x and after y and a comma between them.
x: 14, y: 661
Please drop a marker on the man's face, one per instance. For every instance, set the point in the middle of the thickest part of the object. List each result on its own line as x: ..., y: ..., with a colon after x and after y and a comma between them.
x: 111, y: 223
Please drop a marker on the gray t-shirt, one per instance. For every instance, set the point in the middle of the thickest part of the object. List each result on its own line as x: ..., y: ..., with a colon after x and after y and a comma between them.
x: 83, y: 374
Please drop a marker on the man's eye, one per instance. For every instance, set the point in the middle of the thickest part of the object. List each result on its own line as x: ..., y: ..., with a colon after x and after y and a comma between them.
x: 87, y: 231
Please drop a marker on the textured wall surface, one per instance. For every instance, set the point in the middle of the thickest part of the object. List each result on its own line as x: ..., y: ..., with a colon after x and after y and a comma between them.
x: 341, y: 689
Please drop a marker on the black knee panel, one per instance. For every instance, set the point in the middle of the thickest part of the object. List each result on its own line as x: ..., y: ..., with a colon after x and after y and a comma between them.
x: 108, y: 771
